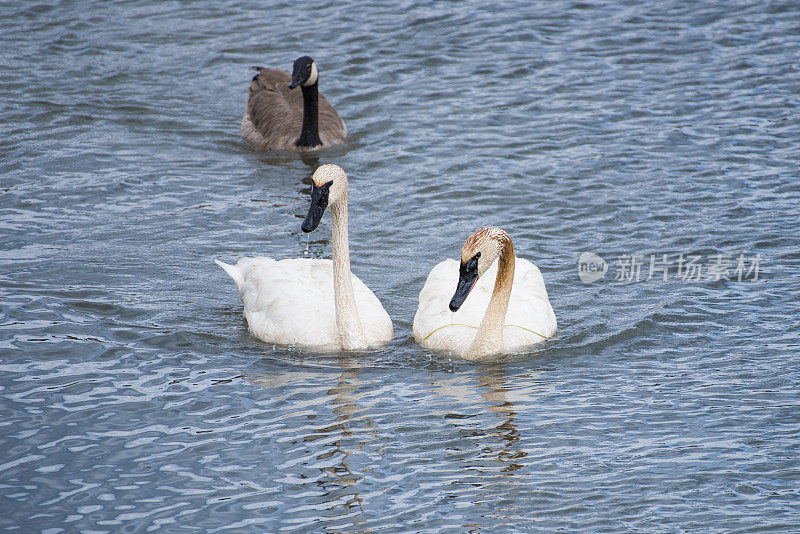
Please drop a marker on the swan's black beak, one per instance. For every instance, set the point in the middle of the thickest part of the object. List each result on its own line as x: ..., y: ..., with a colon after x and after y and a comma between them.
x: 319, y: 201
x: 467, y: 276
x: 295, y: 81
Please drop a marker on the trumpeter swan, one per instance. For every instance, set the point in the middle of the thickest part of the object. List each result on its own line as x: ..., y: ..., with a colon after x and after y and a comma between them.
x: 503, y: 316
x: 311, y: 302
x: 278, y: 118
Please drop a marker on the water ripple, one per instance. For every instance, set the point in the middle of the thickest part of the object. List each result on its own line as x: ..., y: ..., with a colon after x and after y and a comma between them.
x: 135, y: 398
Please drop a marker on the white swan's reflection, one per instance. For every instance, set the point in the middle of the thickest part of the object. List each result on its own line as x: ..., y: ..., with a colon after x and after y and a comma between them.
x: 498, y: 399
x: 500, y: 460
x: 340, y: 484
x: 468, y: 425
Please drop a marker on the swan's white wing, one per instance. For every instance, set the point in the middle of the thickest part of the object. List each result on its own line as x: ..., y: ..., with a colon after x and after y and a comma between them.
x: 375, y: 320
x: 530, y: 318
x: 529, y: 310
x: 291, y: 302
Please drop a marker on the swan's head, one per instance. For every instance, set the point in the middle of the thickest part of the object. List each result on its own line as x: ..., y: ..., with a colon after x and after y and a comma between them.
x: 304, y: 72
x: 477, y: 255
x: 328, y: 188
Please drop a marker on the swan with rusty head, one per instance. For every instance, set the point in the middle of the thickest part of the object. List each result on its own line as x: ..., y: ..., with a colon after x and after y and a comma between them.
x: 315, y: 303
x: 491, y: 302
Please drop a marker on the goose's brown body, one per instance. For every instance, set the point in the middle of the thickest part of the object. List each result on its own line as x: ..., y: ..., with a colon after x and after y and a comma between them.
x: 273, y: 119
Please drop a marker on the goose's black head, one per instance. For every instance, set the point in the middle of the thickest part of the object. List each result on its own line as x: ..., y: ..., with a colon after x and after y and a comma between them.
x: 304, y: 72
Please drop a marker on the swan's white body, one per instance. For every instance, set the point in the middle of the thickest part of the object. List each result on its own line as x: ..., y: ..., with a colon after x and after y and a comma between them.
x: 528, y: 320
x: 291, y: 302
x: 310, y: 302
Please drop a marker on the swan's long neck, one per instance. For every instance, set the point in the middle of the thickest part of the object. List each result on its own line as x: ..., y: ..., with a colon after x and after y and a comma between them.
x: 347, y: 321
x: 489, y: 339
x: 309, y: 136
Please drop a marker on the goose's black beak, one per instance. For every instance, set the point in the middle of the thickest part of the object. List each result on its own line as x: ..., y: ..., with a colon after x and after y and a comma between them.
x: 298, y: 77
x: 319, y: 201
x: 467, y: 276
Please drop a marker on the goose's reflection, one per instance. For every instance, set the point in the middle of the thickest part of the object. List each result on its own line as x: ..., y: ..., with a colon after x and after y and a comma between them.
x: 287, y: 159
x: 311, y: 160
x: 285, y: 184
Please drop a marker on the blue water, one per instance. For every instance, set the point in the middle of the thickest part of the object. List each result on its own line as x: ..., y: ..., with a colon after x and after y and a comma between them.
x: 134, y: 399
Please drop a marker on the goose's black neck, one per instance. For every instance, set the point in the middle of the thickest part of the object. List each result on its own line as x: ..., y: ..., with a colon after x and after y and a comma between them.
x: 309, y: 136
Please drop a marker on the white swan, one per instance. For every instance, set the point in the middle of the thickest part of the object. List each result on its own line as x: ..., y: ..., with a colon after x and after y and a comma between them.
x: 309, y: 302
x: 507, y: 310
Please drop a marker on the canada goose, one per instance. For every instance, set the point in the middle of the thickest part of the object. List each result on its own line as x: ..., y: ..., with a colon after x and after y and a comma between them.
x: 277, y: 117
x: 503, y: 316
x: 310, y: 302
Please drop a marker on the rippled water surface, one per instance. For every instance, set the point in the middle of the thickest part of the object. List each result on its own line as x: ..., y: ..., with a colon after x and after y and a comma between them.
x: 135, y: 400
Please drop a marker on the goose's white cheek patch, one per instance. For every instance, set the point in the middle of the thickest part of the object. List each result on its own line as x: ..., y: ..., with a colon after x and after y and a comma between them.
x: 312, y: 78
